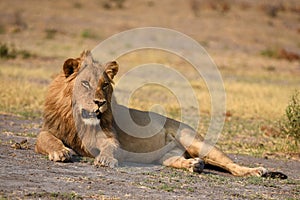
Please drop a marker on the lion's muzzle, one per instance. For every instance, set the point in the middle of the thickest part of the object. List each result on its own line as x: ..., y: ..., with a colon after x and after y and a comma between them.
x: 88, y: 115
x: 101, y: 107
x: 99, y: 102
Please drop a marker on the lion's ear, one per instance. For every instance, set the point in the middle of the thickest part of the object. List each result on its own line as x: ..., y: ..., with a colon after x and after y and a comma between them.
x: 111, y: 69
x: 70, y: 66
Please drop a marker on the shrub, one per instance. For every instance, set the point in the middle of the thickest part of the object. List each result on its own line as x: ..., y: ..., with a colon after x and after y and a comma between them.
x: 9, y: 52
x: 291, y: 124
x: 108, y: 4
x: 6, y: 52
x: 270, y: 53
x: 2, y: 29
x: 50, y: 33
x: 89, y: 34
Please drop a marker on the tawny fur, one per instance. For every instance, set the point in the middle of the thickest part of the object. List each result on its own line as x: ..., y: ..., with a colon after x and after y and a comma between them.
x: 175, y: 145
x: 62, y: 130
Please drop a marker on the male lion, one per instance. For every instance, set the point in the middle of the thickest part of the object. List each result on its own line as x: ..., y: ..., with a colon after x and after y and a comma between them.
x: 79, y: 114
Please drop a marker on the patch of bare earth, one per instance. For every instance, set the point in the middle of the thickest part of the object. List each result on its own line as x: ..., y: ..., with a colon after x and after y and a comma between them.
x: 27, y: 175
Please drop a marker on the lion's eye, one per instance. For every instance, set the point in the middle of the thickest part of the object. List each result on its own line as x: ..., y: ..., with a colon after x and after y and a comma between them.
x: 105, y: 85
x: 86, y: 84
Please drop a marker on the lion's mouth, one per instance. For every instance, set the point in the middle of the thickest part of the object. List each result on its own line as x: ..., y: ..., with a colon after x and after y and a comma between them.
x: 90, y: 115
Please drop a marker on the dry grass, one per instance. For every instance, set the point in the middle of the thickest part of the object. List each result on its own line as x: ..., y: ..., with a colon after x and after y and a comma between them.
x: 251, y: 94
x: 254, y: 99
x: 23, y: 90
x: 258, y: 87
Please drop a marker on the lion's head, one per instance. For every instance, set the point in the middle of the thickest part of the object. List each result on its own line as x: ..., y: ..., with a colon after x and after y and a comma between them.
x: 92, y: 91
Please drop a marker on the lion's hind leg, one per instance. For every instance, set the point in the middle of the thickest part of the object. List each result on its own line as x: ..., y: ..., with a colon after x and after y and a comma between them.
x: 213, y: 156
x: 217, y: 158
x: 175, y: 158
x: 48, y: 144
x: 234, y: 168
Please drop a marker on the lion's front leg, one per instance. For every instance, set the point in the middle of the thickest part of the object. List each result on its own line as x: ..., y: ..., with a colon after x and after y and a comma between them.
x: 108, y: 153
x: 48, y: 144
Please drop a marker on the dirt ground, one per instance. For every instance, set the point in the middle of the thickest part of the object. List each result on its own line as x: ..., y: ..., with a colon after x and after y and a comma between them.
x: 27, y: 175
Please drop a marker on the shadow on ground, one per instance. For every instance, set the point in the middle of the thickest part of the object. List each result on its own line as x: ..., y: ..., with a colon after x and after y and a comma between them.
x: 27, y: 175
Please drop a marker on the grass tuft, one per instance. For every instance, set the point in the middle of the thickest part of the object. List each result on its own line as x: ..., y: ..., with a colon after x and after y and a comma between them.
x: 270, y: 53
x: 50, y: 33
x: 89, y: 34
x: 290, y: 125
x: 9, y: 52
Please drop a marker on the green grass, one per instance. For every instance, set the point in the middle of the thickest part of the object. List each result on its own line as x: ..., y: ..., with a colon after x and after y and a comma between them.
x: 291, y: 123
x: 54, y: 195
x: 89, y: 34
x: 270, y: 53
x: 31, y: 135
x: 166, y: 187
x: 2, y: 198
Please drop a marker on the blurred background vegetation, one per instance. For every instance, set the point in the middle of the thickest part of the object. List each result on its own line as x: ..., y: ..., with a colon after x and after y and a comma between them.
x: 255, y: 44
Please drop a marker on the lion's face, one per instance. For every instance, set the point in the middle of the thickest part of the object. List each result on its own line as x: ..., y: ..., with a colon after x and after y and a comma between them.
x: 92, y: 90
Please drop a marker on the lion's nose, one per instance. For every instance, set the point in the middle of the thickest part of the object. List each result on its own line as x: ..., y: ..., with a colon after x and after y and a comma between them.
x: 99, y: 102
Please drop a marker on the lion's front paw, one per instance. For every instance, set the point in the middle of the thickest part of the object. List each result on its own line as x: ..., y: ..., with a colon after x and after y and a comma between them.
x: 62, y: 155
x: 196, y: 165
x: 106, y: 161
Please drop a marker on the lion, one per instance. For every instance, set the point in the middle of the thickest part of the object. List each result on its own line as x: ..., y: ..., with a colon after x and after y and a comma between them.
x: 81, y: 117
